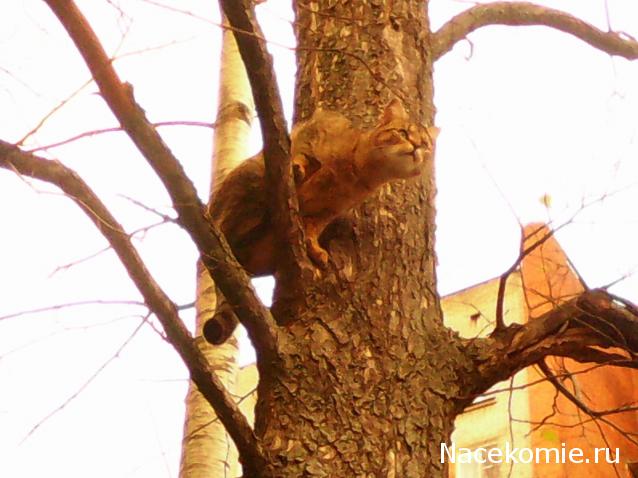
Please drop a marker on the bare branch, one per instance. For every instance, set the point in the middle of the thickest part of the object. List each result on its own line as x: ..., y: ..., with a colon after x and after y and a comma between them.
x: 57, y: 108
x: 77, y: 262
x: 293, y: 268
x: 166, y: 311
x: 580, y: 329
x: 87, y: 382
x: 593, y: 355
x: 215, y: 252
x: 557, y: 375
x: 88, y: 134
x: 594, y: 414
x: 524, y: 252
x: 165, y: 217
x: 81, y: 303
x: 529, y: 14
x: 240, y: 399
x: 549, y: 374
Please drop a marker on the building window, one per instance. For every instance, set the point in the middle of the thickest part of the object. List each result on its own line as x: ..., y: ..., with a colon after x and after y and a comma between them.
x: 478, y: 470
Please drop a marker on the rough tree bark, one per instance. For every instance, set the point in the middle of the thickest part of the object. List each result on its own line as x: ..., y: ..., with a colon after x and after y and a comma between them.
x: 343, y: 403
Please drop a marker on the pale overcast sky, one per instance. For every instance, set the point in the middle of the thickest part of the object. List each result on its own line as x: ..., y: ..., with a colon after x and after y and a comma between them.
x: 524, y: 112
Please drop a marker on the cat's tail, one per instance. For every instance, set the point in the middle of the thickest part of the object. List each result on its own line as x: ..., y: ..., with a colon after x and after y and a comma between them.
x: 222, y: 324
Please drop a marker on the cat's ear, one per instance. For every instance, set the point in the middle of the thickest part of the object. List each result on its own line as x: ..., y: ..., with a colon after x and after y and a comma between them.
x: 394, y: 111
x: 433, y: 132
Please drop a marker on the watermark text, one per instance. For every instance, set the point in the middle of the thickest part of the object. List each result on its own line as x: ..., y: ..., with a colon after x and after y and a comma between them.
x: 509, y: 454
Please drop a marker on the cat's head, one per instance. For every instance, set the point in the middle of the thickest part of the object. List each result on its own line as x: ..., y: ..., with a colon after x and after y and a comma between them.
x: 396, y: 148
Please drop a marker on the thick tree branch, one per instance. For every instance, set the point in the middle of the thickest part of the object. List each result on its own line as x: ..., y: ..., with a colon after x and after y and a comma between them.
x: 215, y: 253
x: 578, y: 329
x: 593, y: 355
x: 56, y: 173
x: 529, y: 14
x: 293, y: 267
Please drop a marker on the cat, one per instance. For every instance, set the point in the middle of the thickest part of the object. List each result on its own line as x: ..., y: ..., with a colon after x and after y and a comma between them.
x: 336, y: 167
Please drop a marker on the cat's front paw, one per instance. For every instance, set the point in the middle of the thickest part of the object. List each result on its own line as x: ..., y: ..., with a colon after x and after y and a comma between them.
x: 299, y: 172
x: 318, y: 254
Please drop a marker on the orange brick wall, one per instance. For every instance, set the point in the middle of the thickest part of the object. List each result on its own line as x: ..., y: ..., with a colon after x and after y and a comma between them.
x: 548, y: 281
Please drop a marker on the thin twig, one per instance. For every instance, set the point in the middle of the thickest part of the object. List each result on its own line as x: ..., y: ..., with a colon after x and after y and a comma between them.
x: 69, y: 265
x: 86, y: 383
x: 595, y: 415
x: 81, y: 303
x: 60, y: 105
x: 116, y: 129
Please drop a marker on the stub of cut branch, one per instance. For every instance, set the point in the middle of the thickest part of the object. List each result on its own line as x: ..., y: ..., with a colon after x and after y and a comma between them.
x: 54, y: 172
x: 293, y: 267
x: 215, y: 252
x: 529, y: 14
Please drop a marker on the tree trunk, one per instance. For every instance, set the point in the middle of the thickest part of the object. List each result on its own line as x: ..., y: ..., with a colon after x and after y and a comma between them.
x: 207, y: 451
x: 371, y: 383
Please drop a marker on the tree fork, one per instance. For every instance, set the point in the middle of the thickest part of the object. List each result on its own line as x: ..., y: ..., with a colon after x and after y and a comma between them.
x: 159, y: 303
x: 294, y: 271
x: 215, y: 252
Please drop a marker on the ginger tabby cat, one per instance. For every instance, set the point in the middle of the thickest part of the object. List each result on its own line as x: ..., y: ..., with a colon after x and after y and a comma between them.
x: 336, y: 167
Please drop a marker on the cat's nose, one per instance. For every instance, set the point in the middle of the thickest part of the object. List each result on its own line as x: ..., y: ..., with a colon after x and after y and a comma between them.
x: 419, y: 155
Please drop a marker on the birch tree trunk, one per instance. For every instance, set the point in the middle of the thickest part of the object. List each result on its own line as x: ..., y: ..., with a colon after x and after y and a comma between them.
x: 207, y: 450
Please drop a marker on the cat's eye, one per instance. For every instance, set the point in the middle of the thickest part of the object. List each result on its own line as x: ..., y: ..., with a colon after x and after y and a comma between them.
x: 403, y: 134
x: 393, y: 136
